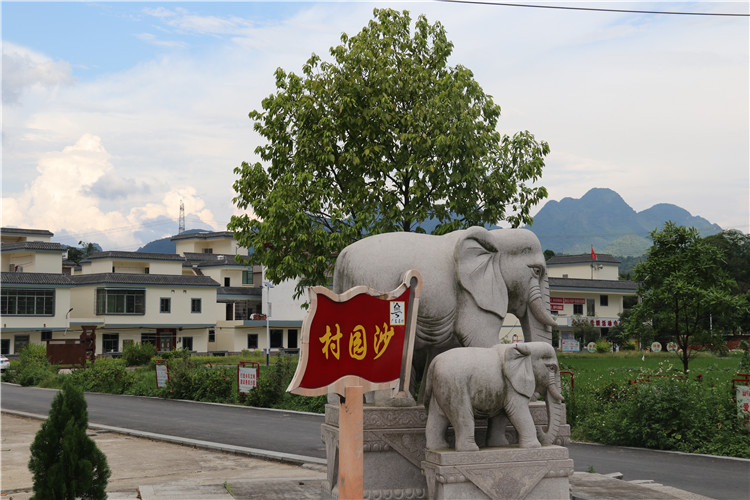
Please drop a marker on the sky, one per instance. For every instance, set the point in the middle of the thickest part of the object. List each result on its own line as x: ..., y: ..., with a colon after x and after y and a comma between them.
x: 113, y: 113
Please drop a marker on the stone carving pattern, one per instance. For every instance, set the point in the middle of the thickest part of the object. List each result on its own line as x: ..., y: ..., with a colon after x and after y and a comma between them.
x: 397, y: 494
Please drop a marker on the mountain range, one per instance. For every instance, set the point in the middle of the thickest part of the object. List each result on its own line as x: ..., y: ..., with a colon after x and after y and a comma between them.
x: 602, y: 219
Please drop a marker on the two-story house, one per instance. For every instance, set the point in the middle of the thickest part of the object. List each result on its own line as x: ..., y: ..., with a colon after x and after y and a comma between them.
x: 35, y: 295
x: 582, y: 287
x: 245, y: 318
x: 143, y: 297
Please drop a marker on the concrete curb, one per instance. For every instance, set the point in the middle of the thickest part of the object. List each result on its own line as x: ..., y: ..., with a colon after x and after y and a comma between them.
x: 289, y: 458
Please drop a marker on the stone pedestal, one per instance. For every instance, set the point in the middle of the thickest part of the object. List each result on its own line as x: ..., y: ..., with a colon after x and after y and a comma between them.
x: 394, y: 448
x: 499, y: 473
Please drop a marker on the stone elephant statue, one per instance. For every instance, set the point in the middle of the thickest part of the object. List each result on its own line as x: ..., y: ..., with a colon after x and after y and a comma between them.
x: 471, y: 279
x: 494, y: 383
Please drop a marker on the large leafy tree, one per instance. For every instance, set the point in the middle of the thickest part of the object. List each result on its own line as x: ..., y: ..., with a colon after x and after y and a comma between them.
x: 385, y: 137
x: 684, y: 289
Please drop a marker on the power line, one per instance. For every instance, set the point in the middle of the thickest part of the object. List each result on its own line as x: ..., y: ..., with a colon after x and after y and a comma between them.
x: 597, y: 9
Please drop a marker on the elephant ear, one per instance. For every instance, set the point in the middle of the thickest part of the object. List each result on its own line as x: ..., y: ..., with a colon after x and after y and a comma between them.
x: 518, y: 370
x: 478, y: 274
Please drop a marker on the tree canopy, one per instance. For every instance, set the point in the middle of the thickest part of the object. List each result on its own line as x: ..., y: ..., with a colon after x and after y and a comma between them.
x: 385, y: 137
x: 685, y: 292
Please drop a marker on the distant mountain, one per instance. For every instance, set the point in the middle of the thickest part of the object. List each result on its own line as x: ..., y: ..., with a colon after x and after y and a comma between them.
x: 603, y: 219
x: 166, y: 245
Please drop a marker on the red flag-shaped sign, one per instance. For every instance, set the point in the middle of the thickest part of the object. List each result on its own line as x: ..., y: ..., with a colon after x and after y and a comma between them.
x: 593, y: 255
x: 360, y: 337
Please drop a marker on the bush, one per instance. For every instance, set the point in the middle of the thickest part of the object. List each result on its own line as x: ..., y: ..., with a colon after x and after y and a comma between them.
x: 200, y: 383
x: 630, y: 345
x: 667, y: 414
x: 32, y: 367
x: 271, y: 389
x: 104, y: 375
x: 136, y: 354
x: 603, y: 346
x: 177, y: 354
x: 65, y: 462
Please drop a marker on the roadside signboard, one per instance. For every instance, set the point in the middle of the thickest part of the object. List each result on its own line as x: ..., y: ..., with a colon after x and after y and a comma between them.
x: 743, y: 402
x: 247, y: 376
x: 357, y: 341
x: 656, y: 347
x: 162, y: 373
x: 360, y: 337
x: 672, y: 346
x: 570, y: 345
x: 591, y: 347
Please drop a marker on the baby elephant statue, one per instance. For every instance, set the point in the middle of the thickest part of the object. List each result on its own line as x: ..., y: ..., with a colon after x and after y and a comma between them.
x: 494, y: 383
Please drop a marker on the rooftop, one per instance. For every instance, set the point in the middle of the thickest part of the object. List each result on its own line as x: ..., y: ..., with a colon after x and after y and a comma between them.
x: 22, y: 232
x: 210, y: 259
x: 33, y: 245
x: 584, y: 258
x: 203, y: 236
x: 36, y: 279
x: 142, y: 279
x: 620, y: 285
x: 119, y: 255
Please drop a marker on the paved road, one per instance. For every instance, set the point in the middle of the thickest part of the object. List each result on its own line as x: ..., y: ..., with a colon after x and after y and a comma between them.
x: 295, y: 433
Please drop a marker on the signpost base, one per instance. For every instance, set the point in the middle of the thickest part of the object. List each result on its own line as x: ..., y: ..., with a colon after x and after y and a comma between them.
x: 351, y: 462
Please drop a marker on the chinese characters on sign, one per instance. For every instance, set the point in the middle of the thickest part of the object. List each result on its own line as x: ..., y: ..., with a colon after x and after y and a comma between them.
x: 362, y: 333
x: 247, y: 376
x: 162, y: 373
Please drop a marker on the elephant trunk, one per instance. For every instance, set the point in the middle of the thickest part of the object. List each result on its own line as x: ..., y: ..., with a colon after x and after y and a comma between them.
x: 553, y: 401
x: 538, y: 307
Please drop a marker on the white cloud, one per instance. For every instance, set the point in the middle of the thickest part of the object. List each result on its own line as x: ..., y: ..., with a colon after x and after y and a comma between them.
x: 62, y: 198
x: 153, y: 40
x: 24, y: 68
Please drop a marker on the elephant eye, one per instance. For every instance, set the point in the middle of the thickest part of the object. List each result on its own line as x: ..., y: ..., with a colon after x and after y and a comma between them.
x: 537, y: 271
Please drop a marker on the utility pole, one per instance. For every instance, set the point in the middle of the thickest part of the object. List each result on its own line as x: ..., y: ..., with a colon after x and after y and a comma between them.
x: 181, y: 226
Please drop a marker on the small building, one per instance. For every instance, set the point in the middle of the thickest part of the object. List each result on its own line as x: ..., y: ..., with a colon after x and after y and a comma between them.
x: 582, y: 287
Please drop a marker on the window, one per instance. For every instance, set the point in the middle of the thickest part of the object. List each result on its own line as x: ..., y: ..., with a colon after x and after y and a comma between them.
x: 578, y: 309
x: 208, y: 250
x: 111, y: 342
x: 195, y: 305
x: 252, y: 340
x: 212, y: 335
x: 277, y: 339
x: 19, y: 342
x: 247, y: 277
x: 165, y: 305
x: 148, y: 338
x: 243, y: 309
x: 120, y: 301
x: 590, y: 311
x: 603, y: 300
x: 291, y: 338
x: 46, y: 335
x: 27, y: 302
x: 187, y: 343
x: 229, y: 311
x: 147, y: 270
x: 5, y: 346
x: 226, y: 281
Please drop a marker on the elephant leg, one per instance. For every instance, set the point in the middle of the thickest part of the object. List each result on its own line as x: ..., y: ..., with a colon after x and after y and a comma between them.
x: 437, y: 424
x: 464, y: 427
x: 496, y: 430
x: 519, y: 414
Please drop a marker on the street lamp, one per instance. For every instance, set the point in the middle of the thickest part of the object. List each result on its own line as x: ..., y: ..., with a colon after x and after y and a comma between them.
x: 267, y: 285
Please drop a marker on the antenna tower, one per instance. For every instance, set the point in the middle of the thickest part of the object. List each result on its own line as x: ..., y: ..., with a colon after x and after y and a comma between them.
x: 181, y: 228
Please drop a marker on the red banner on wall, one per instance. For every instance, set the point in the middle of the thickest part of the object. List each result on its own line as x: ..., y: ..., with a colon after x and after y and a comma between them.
x: 360, y: 337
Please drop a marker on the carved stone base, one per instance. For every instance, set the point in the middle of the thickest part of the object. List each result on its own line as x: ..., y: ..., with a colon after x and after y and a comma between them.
x: 499, y: 473
x: 394, y: 448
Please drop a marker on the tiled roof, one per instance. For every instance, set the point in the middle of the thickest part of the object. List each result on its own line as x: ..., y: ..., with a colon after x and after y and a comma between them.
x: 22, y: 231
x: 33, y: 245
x: 135, y: 256
x: 584, y: 258
x: 621, y: 285
x: 210, y: 259
x: 36, y: 279
x: 142, y: 279
x: 203, y: 236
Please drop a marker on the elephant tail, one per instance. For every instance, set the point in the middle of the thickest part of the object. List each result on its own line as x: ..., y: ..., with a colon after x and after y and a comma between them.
x: 427, y: 383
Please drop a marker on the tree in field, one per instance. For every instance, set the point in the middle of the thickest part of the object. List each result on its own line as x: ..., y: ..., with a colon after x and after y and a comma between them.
x: 386, y: 137
x: 736, y: 248
x: 83, y: 252
x: 65, y: 462
x: 683, y: 287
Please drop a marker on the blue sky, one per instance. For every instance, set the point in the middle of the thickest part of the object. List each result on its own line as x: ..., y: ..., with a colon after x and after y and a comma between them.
x: 114, y: 112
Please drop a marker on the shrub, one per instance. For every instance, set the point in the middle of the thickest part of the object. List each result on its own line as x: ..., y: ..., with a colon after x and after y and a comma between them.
x: 177, y: 354
x: 271, y: 389
x: 603, y: 346
x: 65, y: 462
x: 630, y: 345
x: 136, y: 354
x: 32, y: 367
x: 104, y: 375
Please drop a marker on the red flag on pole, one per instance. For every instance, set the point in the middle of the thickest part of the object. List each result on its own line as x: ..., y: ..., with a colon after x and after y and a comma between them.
x: 593, y: 255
